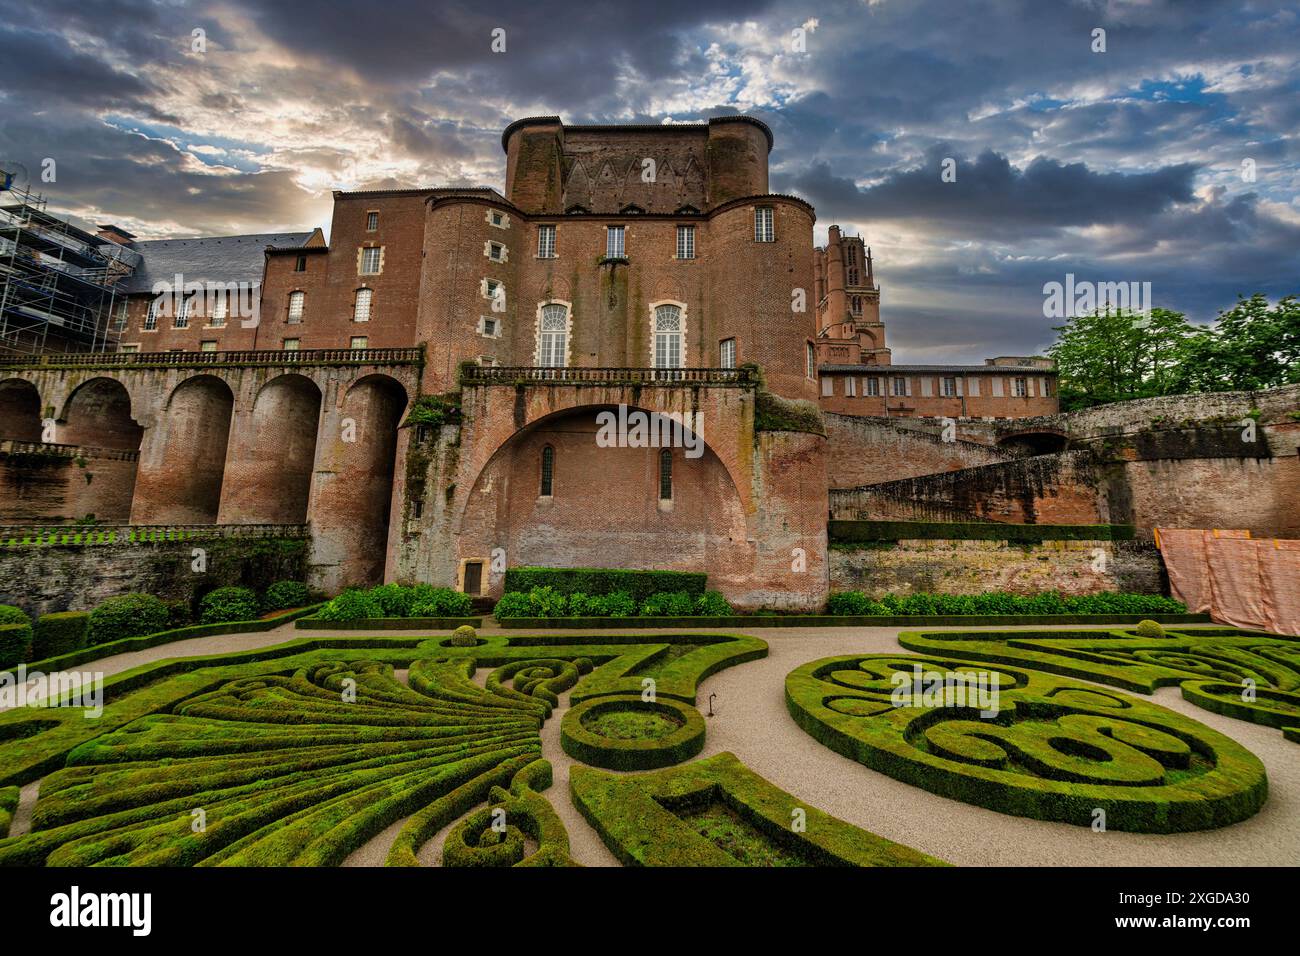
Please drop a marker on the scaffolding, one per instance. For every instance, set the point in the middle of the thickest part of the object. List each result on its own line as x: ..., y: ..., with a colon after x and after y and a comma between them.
x: 58, y: 283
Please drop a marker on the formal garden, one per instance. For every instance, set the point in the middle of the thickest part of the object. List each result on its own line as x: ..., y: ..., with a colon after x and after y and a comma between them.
x: 635, y: 719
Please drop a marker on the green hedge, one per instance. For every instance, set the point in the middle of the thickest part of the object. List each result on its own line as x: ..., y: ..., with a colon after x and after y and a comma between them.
x: 62, y: 632
x: 15, y: 644
x: 388, y: 624
x: 128, y: 615
x: 1054, y: 750
x: 544, y: 602
x: 8, y: 804
x: 283, y: 595
x: 640, y: 819
x: 639, y: 585
x: 853, y: 531
x: 580, y: 742
x: 841, y: 620
x: 1208, y: 664
x: 999, y: 602
x: 234, y: 603
x: 397, y: 601
x: 475, y: 842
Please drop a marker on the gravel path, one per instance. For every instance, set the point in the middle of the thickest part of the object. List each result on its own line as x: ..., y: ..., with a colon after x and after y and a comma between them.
x: 751, y: 721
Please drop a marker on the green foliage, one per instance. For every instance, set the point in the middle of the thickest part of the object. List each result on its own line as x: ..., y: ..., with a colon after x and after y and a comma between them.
x: 439, y: 602
x: 1113, y: 356
x: 351, y: 605
x: 228, y: 604
x: 434, y: 410
x: 772, y: 413
x: 1211, y: 664
x: 870, y: 531
x: 547, y: 602
x: 1048, y: 749
x: 857, y: 604
x: 582, y: 733
x: 513, y: 604
x: 8, y: 804
x: 712, y: 604
x: 60, y: 633
x: 652, y: 819
x: 1149, y: 628
x: 668, y: 604
x: 283, y: 595
x: 128, y: 615
x: 464, y: 636
x: 475, y: 841
x: 178, y: 613
x: 603, y: 581
x: 15, y: 644
x: 13, y: 615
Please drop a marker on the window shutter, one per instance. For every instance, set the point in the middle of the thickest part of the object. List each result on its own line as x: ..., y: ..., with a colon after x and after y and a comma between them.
x: 997, y: 386
x: 927, y: 387
x: 975, y: 387
x: 907, y: 385
x: 959, y: 387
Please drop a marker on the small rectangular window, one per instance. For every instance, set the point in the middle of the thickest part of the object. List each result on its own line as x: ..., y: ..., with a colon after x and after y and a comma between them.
x: 372, y: 221
x: 361, y: 307
x: 898, y: 387
x: 497, y: 218
x: 685, y: 242
x: 297, y: 301
x: 727, y: 353
x: 666, y: 475
x: 182, y: 318
x: 417, y: 509
x: 1021, y: 388
x: 291, y: 345
x: 496, y: 251
x: 151, y: 317
x: 764, y: 230
x: 488, y: 326
x: 872, y: 386
x: 218, y: 317
x: 208, y: 345
x: 949, y: 387
x: 370, y: 260
x: 360, y: 342
x: 546, y: 242
x: 614, y: 248
x: 300, y: 265
x: 128, y: 349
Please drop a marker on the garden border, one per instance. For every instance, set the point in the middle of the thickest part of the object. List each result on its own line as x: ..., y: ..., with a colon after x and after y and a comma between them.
x: 845, y: 620
x: 634, y: 754
x: 388, y: 623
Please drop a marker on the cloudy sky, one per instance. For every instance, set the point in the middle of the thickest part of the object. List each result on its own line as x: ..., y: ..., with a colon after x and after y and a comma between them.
x: 1123, y: 165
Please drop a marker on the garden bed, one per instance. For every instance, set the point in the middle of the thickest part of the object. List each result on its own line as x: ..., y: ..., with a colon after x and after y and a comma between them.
x: 389, y: 623
x: 846, y: 620
x: 145, y: 641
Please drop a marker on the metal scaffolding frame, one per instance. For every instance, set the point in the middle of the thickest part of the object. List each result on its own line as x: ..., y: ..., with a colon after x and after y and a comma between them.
x: 55, y: 278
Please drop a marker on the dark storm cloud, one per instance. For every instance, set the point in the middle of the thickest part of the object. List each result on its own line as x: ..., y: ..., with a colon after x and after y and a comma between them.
x: 989, y: 194
x: 1116, y: 166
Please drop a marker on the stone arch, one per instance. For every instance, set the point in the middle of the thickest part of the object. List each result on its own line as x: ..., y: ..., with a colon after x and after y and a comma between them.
x: 98, y: 414
x: 702, y: 527
x: 1045, y: 441
x: 182, y: 464
x: 20, y: 410
x: 353, y: 501
x: 273, y: 454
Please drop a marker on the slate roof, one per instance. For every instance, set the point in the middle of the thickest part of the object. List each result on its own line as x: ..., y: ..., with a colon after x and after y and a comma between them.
x: 214, y: 259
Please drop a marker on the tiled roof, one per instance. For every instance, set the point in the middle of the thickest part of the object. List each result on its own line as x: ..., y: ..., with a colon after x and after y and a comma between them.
x: 944, y: 369
x: 215, y: 259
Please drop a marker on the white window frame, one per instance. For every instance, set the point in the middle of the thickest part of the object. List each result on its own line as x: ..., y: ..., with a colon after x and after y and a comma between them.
x: 727, y: 353
x: 363, y: 339
x: 871, y: 387
x: 220, y: 309
x: 203, y: 345
x: 372, y: 216
x: 483, y: 320
x: 496, y: 251
x: 661, y: 342
x: 294, y: 317
x: 546, y: 241
x: 364, y: 254
x: 686, y: 241
x: 765, y: 224
x: 369, y: 296
x: 150, y: 323
x: 295, y: 347
x: 552, y: 346
x: 616, y: 242
x: 1020, y: 387
x: 943, y: 386
x: 810, y: 361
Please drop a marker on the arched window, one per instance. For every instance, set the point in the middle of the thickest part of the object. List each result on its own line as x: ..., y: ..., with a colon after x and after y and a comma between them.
x: 548, y: 471
x: 553, y: 337
x: 666, y: 475
x: 668, y: 337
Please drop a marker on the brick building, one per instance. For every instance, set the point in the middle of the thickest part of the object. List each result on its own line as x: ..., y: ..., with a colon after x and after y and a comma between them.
x: 279, y: 378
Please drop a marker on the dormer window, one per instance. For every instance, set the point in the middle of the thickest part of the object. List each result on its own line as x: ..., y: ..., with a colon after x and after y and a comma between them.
x: 631, y: 209
x: 577, y: 209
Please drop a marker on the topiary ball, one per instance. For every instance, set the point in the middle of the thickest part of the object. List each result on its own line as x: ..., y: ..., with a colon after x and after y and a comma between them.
x: 1150, y: 629
x: 463, y: 636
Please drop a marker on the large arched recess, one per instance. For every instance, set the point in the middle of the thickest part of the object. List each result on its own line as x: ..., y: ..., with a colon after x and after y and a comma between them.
x: 351, y: 505
x: 183, y: 462
x: 605, y: 508
x: 20, y: 411
x: 272, y: 455
x: 98, y: 415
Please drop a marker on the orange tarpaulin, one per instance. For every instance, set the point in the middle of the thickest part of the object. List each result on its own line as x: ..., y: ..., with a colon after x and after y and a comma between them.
x: 1247, y: 582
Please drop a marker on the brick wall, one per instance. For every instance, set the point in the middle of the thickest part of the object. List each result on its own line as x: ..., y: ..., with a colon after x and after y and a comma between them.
x: 865, y: 451
x: 974, y: 567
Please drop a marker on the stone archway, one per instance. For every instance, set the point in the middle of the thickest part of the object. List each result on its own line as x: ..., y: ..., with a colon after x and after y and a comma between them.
x: 182, y: 462
x: 20, y: 411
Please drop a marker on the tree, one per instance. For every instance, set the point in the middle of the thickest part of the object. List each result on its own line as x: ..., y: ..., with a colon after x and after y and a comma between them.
x: 1112, y: 355
x: 1253, y: 345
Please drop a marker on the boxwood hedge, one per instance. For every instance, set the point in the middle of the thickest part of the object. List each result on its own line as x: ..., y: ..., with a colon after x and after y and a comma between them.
x: 15, y: 644
x: 582, y: 741
x: 60, y: 633
x: 1054, y: 750
x: 639, y: 585
x: 640, y: 819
